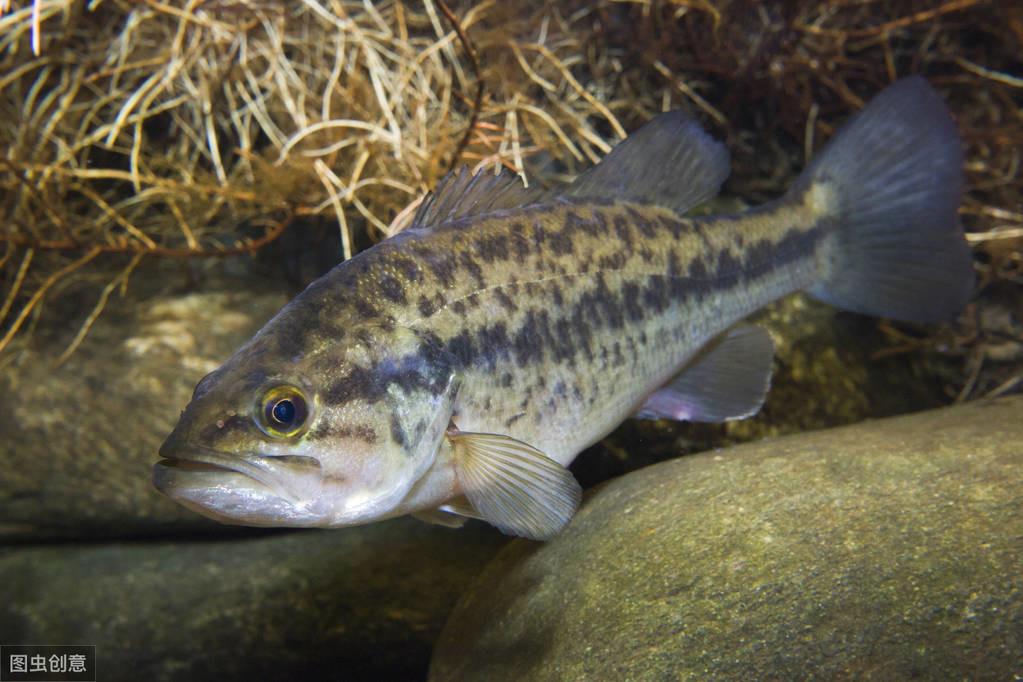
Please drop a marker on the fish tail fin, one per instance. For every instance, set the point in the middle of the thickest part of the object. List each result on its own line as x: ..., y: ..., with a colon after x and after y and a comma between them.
x: 889, y: 183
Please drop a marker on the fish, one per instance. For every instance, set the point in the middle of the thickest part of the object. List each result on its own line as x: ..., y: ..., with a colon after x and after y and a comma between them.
x: 456, y: 369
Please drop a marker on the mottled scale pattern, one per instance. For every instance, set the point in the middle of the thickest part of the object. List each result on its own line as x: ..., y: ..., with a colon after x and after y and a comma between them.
x: 561, y: 318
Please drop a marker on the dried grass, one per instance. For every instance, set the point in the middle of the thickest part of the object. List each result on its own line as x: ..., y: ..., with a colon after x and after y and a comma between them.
x: 141, y: 130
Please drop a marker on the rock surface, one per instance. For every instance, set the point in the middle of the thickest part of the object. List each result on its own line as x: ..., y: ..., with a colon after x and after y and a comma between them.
x: 352, y: 604
x: 885, y: 550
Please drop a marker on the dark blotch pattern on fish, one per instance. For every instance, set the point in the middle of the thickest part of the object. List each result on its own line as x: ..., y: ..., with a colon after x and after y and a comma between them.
x: 360, y: 384
x: 409, y: 269
x: 562, y: 285
x: 426, y: 306
x: 425, y: 370
x: 358, y: 432
x: 365, y: 308
x: 471, y: 266
x: 398, y: 434
x: 392, y: 289
x: 442, y: 264
x: 504, y: 298
x: 492, y: 248
x: 508, y: 423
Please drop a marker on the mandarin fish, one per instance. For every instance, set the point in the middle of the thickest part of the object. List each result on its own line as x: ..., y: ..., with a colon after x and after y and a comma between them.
x: 457, y: 368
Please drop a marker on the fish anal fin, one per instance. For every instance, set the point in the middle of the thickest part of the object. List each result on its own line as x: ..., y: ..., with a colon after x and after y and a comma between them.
x: 514, y: 486
x: 727, y: 380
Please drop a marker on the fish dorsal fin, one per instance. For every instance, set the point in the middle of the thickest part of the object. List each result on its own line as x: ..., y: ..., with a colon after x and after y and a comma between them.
x: 462, y: 194
x: 727, y: 380
x: 514, y: 486
x: 669, y: 162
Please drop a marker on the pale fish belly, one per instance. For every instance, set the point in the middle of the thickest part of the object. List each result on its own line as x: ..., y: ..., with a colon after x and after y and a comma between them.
x: 583, y: 351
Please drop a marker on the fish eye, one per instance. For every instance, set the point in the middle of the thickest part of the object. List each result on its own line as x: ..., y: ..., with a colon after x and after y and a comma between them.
x: 283, y: 412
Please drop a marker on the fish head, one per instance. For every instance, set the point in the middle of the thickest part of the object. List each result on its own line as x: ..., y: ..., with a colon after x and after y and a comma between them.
x: 335, y: 435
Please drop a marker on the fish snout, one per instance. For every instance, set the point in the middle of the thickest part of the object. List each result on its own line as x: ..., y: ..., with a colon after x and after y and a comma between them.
x: 173, y: 445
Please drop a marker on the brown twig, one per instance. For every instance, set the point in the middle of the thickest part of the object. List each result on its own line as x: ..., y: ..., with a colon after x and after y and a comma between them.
x: 901, y: 22
x: 477, y: 102
x: 83, y: 331
x: 242, y: 248
x: 19, y: 278
x: 41, y: 291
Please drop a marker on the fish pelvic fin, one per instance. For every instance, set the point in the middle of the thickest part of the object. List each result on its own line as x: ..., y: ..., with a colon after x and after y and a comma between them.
x: 440, y: 517
x: 461, y: 506
x: 887, y: 188
x: 514, y: 486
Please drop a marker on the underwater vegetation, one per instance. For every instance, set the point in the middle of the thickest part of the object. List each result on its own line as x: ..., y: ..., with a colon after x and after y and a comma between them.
x: 173, y: 174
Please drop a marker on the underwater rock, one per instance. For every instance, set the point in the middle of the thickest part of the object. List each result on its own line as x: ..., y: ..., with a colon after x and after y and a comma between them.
x: 888, y: 549
x: 358, y: 603
x: 79, y: 442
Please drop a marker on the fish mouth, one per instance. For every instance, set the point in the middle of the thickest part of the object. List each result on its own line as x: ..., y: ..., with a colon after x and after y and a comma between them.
x: 248, y: 489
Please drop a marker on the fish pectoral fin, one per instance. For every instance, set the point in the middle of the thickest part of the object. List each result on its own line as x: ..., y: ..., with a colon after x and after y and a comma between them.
x: 440, y: 517
x: 514, y: 486
x: 727, y: 380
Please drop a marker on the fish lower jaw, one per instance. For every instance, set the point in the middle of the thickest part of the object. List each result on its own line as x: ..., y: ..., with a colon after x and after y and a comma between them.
x: 231, y: 497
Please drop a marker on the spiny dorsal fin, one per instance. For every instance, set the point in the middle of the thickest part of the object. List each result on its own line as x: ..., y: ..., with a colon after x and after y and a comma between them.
x: 462, y: 194
x: 727, y: 380
x: 514, y: 486
x: 669, y: 162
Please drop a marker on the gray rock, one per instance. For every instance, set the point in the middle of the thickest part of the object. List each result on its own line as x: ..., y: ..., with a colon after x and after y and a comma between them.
x: 358, y: 603
x: 886, y: 550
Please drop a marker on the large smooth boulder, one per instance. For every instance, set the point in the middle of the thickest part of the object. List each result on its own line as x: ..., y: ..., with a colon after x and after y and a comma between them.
x: 890, y: 549
x: 351, y: 604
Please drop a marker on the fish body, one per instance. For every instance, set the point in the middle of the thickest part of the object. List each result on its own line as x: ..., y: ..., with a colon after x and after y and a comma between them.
x: 457, y: 368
